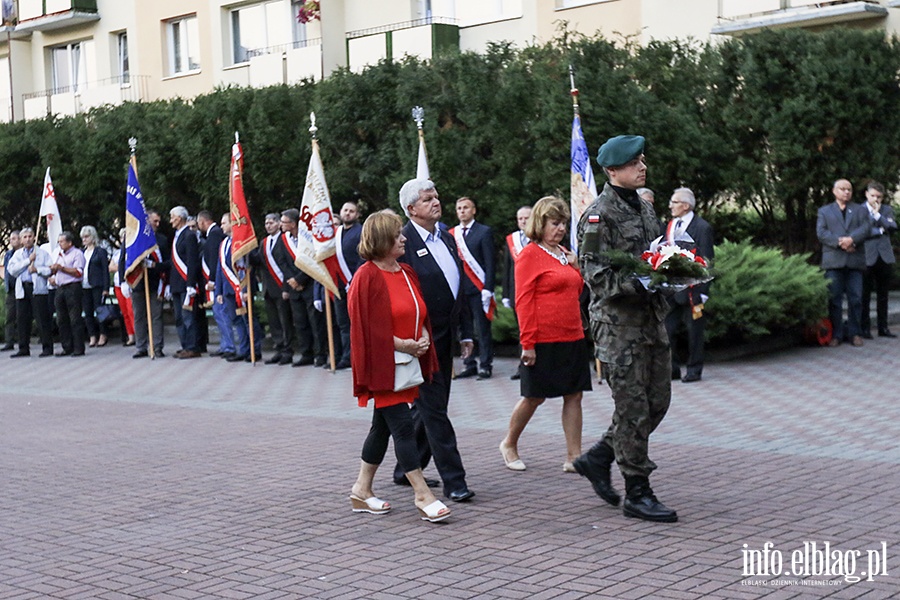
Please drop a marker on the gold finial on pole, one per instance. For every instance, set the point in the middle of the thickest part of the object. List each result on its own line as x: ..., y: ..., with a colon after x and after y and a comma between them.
x: 574, y: 90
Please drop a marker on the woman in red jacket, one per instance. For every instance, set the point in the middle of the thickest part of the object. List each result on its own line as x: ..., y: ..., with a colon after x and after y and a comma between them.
x: 555, y: 357
x: 387, y: 314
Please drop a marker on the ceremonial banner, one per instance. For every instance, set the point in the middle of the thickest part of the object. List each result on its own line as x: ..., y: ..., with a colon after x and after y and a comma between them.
x: 50, y: 210
x: 243, y: 238
x: 140, y: 241
x: 584, y: 188
x: 315, y: 245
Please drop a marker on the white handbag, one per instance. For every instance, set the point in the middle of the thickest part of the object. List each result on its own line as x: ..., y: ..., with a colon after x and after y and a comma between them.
x: 407, y: 370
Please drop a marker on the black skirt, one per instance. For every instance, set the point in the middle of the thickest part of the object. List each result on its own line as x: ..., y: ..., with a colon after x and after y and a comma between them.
x: 560, y: 369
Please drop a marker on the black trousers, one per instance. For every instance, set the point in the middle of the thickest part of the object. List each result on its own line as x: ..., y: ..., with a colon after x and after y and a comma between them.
x: 69, y: 304
x: 277, y: 312
x: 342, y: 316
x: 435, y: 436
x: 397, y: 422
x: 682, y: 314
x: 877, y: 278
x: 34, y: 306
x: 306, y: 324
x: 92, y: 298
x: 11, y: 329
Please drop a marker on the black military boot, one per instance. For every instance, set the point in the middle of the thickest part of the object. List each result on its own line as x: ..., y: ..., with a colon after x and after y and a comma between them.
x: 640, y: 503
x: 595, y: 464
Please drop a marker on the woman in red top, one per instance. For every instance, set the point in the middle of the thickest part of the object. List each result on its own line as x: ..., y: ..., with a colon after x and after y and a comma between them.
x: 387, y: 313
x: 555, y: 357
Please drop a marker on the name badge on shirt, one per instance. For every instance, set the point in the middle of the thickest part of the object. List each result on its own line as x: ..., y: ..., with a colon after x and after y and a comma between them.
x: 422, y: 252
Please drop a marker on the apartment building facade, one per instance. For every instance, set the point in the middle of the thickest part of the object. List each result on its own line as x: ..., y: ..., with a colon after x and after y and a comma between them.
x: 63, y: 57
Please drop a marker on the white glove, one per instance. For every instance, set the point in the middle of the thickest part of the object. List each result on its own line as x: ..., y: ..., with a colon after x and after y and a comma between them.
x: 191, y: 292
x: 126, y: 290
x: 318, y: 305
x: 486, y: 296
x: 148, y: 263
x: 507, y: 303
x: 167, y: 293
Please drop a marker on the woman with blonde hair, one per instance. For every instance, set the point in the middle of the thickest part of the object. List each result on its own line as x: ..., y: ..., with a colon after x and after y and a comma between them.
x: 95, y: 284
x: 389, y: 334
x: 555, y: 357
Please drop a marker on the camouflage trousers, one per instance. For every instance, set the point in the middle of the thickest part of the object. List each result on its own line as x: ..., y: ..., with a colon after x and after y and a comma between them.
x: 642, y: 391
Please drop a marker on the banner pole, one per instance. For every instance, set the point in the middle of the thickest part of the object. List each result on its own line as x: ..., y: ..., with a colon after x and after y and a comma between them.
x: 146, y: 278
x: 330, y: 330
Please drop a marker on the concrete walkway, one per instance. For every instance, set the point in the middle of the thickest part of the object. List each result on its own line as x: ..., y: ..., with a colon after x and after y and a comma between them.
x: 201, y: 479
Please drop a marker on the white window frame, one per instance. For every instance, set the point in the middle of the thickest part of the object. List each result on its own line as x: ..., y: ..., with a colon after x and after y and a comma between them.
x: 181, y: 27
x: 123, y: 66
x: 271, y: 37
x: 563, y: 4
x: 75, y: 60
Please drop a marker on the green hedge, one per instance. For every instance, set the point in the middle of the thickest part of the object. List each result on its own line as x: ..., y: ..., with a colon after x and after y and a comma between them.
x: 759, y: 291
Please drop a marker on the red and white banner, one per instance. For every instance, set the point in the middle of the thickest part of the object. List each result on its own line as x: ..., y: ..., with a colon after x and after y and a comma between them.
x: 315, y: 246
x: 50, y: 209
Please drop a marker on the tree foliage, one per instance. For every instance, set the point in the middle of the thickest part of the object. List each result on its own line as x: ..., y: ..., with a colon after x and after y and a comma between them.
x: 765, y: 123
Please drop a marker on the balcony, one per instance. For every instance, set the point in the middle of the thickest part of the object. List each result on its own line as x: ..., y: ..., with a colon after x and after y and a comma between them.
x: 422, y: 38
x: 6, y: 110
x: 69, y: 101
x: 736, y: 18
x: 286, y: 64
x: 47, y: 15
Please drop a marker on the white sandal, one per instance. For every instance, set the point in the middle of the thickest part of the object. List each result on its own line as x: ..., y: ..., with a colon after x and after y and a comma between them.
x: 373, y: 505
x: 433, y: 512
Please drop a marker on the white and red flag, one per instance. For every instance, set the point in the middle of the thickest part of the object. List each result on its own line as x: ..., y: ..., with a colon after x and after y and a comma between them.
x: 316, y: 231
x: 50, y: 209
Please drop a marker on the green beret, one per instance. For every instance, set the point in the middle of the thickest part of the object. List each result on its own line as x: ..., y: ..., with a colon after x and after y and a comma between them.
x: 620, y: 150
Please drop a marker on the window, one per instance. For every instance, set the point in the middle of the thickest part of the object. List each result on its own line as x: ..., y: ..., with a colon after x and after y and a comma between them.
x: 258, y: 27
x: 70, y: 67
x: 184, y: 45
x: 122, y: 58
x: 299, y: 29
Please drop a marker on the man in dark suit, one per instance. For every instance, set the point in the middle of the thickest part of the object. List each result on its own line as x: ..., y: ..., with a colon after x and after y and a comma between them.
x: 687, y: 306
x: 346, y: 244
x: 209, y: 263
x: 879, y: 260
x: 9, y: 284
x: 432, y: 253
x: 298, y: 290
x: 156, y: 272
x: 278, y: 308
x: 515, y: 242
x: 475, y: 244
x: 842, y: 228
x: 184, y: 271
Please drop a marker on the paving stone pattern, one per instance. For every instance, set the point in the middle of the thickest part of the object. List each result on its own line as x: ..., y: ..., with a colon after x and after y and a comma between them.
x: 202, y: 479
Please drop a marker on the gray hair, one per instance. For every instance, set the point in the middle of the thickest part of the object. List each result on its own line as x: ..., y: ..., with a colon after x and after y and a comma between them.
x: 687, y: 195
x: 410, y: 191
x: 25, y: 230
x: 646, y: 191
x: 180, y: 211
x: 273, y: 216
x: 91, y: 231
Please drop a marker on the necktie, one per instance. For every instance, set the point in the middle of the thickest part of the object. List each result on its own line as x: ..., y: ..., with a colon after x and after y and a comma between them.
x: 678, y: 224
x: 465, y: 230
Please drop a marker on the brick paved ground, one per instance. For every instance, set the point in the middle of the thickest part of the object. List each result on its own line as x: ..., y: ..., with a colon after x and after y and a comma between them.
x: 200, y: 479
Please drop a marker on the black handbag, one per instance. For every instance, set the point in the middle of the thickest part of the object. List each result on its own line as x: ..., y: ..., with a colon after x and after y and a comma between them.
x: 108, y: 312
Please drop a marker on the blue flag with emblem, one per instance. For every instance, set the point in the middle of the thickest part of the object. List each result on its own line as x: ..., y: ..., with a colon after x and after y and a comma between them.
x: 140, y: 240
x: 584, y: 188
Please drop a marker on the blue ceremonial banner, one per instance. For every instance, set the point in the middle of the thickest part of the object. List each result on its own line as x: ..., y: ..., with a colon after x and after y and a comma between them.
x: 140, y: 240
x: 584, y: 188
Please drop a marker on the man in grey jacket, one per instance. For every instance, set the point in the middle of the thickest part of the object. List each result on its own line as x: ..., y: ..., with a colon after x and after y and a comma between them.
x: 842, y: 227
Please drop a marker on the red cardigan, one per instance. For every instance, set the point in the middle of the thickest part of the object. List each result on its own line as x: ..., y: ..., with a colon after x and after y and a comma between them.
x: 371, y: 335
x: 547, y: 294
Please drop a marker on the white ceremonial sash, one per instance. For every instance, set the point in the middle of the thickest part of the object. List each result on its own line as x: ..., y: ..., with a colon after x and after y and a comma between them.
x: 339, y: 250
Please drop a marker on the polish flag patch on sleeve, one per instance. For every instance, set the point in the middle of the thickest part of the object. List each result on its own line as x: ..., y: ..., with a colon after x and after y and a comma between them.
x: 593, y: 218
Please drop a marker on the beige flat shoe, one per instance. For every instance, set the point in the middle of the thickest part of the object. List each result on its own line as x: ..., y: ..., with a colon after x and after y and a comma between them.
x: 512, y: 465
x: 373, y: 505
x: 568, y: 467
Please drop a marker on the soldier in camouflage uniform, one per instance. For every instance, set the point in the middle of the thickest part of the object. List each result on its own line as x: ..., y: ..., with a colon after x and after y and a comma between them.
x: 628, y: 327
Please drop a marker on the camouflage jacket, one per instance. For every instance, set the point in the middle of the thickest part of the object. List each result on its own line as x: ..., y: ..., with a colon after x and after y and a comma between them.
x: 618, y: 299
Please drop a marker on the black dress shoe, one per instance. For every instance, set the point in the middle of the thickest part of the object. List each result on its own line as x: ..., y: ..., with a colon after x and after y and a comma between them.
x: 19, y: 354
x: 8, y: 347
x: 305, y: 360
x: 463, y: 495
x: 676, y: 375
x: 64, y: 353
x: 216, y: 353
x: 640, y: 503
x: 226, y: 355
x: 160, y: 354
x: 470, y: 372
x: 867, y: 335
x: 140, y: 354
x: 285, y: 359
x: 238, y: 357
x: 344, y: 364
x: 515, y: 376
x: 485, y: 373
x: 45, y: 354
x: 320, y: 361
x: 432, y: 483
x: 886, y: 333
x: 690, y: 377
x: 79, y: 353
x: 599, y: 479
x: 273, y: 360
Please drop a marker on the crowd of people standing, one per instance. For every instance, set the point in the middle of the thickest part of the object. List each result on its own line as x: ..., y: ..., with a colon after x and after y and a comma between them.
x: 410, y: 292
